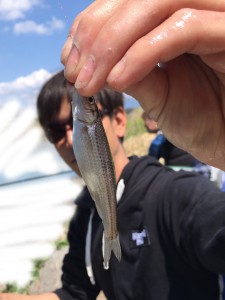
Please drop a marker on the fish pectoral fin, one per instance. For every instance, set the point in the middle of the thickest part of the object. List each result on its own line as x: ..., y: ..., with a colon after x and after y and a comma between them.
x: 109, y: 246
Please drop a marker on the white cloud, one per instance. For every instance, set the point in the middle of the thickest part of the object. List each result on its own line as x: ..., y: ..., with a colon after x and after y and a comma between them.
x: 24, y: 89
x: 16, y: 9
x: 57, y: 24
x: 28, y: 27
x: 42, y: 29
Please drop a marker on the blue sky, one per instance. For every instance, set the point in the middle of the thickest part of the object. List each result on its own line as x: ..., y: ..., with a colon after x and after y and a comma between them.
x: 32, y: 33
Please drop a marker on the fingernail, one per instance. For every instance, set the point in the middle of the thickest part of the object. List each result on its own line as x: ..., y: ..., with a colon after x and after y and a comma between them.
x: 86, y: 73
x: 72, y: 61
x: 66, y: 49
x: 116, y: 71
x: 68, y: 43
x: 75, y: 54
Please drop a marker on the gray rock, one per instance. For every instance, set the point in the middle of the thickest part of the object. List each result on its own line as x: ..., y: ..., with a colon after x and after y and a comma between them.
x: 2, y: 287
x: 50, y: 275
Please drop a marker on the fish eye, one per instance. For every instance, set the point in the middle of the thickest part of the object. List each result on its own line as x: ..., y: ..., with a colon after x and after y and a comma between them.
x: 91, y: 100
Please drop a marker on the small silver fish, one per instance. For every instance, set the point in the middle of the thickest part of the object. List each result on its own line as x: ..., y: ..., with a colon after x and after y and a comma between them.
x: 95, y: 163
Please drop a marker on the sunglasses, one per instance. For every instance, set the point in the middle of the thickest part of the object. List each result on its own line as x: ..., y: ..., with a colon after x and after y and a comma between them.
x: 56, y: 131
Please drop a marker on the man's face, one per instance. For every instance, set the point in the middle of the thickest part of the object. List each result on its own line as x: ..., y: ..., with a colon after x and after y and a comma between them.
x: 65, y: 145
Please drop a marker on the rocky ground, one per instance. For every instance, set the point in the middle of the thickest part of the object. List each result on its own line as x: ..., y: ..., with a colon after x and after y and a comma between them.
x: 49, y: 276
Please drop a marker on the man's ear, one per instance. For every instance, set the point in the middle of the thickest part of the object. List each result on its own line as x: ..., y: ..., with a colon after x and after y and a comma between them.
x: 120, y: 119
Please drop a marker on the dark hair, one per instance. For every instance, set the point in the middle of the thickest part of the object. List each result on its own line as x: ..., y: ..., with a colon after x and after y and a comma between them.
x: 110, y: 100
x: 50, y: 98
x: 58, y: 88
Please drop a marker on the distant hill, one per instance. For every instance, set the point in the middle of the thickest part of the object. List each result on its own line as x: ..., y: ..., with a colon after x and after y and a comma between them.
x: 137, y: 138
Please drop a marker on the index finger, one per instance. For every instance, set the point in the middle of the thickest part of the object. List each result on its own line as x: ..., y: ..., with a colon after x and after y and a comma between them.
x: 83, y: 32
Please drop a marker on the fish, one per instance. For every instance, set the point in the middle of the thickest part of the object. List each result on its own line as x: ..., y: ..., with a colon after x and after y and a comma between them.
x: 94, y: 159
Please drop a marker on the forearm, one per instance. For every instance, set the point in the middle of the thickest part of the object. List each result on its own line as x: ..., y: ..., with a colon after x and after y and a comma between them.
x: 11, y: 296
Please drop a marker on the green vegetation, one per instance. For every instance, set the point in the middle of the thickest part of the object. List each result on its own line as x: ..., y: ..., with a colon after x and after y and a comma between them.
x: 61, y: 243
x: 38, y: 264
x: 13, y: 288
x: 135, y: 123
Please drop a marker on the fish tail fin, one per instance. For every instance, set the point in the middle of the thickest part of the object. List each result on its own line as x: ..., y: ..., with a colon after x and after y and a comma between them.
x: 116, y: 247
x: 109, y: 246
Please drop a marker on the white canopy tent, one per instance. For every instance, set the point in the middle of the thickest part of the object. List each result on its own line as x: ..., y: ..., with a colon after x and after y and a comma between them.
x: 37, y: 192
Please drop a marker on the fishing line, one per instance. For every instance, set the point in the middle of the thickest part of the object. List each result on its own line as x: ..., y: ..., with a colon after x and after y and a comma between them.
x: 63, y: 11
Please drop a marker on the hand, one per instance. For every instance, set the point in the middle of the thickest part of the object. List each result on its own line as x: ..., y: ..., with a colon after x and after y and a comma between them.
x: 12, y: 296
x: 169, y: 57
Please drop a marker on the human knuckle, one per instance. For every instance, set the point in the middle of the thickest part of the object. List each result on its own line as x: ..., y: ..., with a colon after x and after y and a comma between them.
x: 186, y: 14
x: 86, y: 21
x: 117, y: 85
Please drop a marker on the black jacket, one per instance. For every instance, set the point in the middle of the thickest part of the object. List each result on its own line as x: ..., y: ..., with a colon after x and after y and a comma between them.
x: 172, y: 235
x: 160, y: 147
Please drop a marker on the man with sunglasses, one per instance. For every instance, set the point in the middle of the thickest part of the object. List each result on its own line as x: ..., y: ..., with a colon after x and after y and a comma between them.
x: 171, y: 224
x: 54, y: 112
